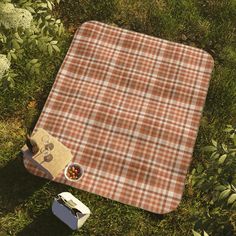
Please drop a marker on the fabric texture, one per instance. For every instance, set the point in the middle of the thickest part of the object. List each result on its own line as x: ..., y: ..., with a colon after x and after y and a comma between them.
x: 128, y: 106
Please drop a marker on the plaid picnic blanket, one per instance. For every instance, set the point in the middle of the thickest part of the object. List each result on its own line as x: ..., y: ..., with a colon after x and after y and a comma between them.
x: 128, y: 105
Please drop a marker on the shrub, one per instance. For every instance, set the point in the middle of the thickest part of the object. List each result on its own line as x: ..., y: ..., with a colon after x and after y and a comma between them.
x: 214, y: 179
x: 30, y: 40
x: 217, y: 175
x: 28, y: 31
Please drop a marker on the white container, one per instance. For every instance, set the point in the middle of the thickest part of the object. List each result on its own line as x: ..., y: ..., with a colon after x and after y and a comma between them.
x: 70, y: 210
x: 74, y: 164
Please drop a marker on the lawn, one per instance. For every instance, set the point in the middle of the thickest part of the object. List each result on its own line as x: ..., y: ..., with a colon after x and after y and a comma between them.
x: 25, y: 200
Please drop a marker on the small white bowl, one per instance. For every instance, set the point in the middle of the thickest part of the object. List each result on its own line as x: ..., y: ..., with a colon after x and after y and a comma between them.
x: 77, y: 165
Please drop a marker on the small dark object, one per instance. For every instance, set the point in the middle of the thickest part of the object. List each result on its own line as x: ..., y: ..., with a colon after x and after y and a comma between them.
x: 50, y: 146
x: 48, y: 158
x: 32, y: 146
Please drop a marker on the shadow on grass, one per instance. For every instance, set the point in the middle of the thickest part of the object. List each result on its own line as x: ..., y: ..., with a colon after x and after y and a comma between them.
x: 16, y: 184
x: 155, y: 217
x: 46, y: 224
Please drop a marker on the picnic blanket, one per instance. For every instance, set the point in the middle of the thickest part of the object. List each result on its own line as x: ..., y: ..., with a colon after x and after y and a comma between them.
x: 128, y: 106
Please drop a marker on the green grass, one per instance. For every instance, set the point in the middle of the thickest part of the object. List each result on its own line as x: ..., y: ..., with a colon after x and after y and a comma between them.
x: 25, y: 200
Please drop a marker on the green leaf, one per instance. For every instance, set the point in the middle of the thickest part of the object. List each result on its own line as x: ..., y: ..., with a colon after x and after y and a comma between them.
x: 232, y: 198
x: 60, y: 30
x: 234, y: 205
x: 54, y: 42
x: 41, y: 11
x: 209, y: 149
x: 18, y: 38
x: 205, y: 233
x: 57, y: 49
x: 28, y: 66
x: 216, y: 156
x: 30, y: 9
x: 222, y: 159
x: 228, y: 129
x: 33, y: 61
x: 15, y: 44
x: 49, y: 5
x: 48, y: 17
x: 224, y: 147
x: 231, y: 150
x: 224, y: 194
x: 13, y: 55
x: 233, y: 187
x: 9, y: 56
x: 33, y: 36
x: 199, y: 168
x: 37, y: 65
x: 214, y: 143
x: 220, y: 187
x: 43, y: 5
x: 234, y: 139
x: 193, y: 171
x: 40, y: 21
x: 195, y: 233
x: 213, y: 154
x: 50, y: 49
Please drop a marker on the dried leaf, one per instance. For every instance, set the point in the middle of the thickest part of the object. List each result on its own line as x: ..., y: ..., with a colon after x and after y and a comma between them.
x: 32, y: 104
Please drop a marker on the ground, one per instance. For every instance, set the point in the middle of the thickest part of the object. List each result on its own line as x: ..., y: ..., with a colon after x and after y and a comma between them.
x: 25, y: 200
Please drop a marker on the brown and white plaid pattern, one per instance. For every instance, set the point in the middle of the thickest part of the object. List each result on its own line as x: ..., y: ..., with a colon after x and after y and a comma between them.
x: 128, y: 106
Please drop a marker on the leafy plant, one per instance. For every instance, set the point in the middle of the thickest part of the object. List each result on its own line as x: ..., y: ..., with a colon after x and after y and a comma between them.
x: 216, y: 176
x: 214, y: 180
x: 28, y: 33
